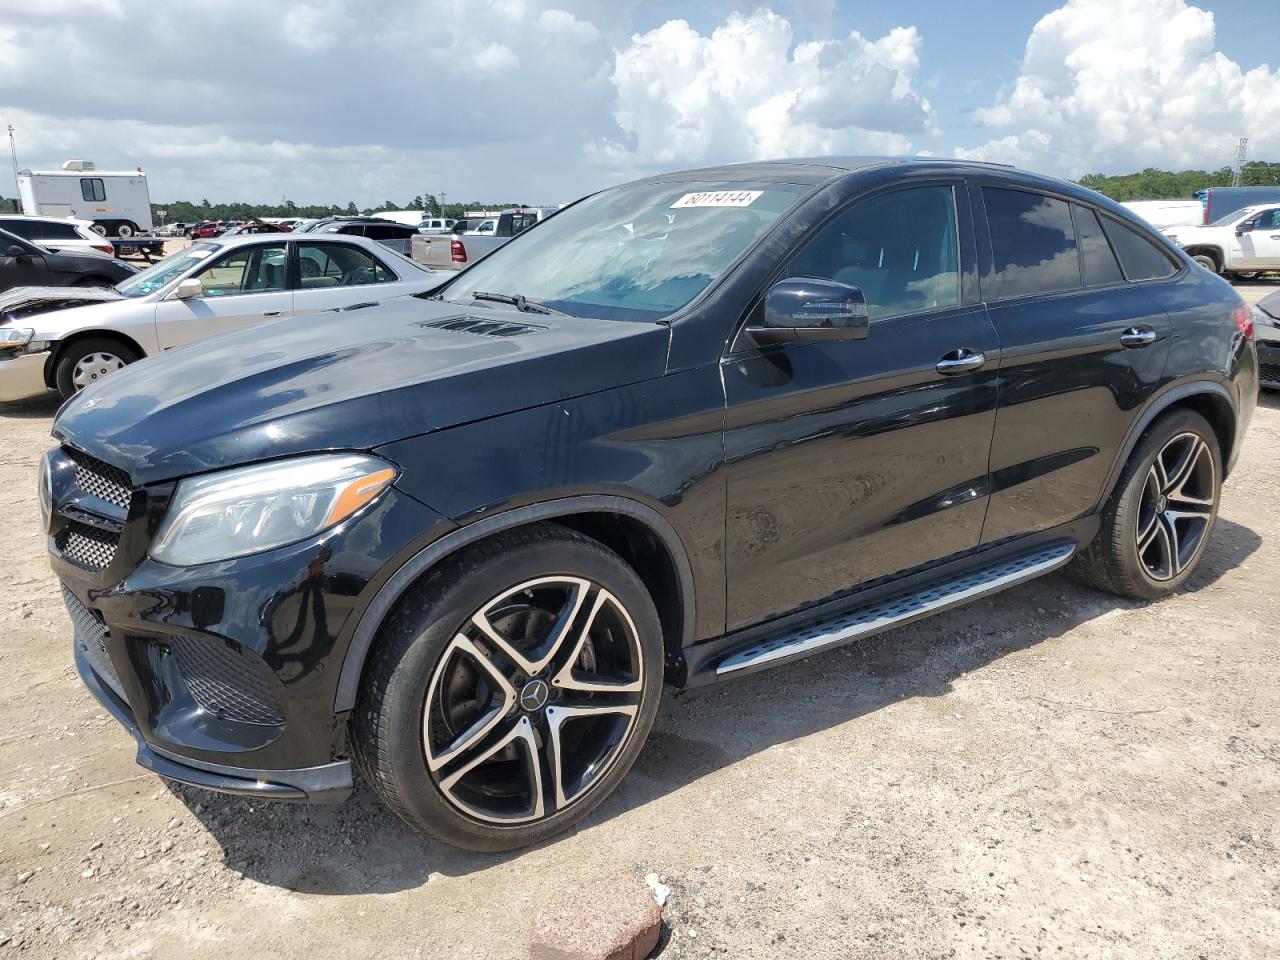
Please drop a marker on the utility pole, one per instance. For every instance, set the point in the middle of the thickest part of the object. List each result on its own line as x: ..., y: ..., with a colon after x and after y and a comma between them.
x: 13, y: 150
x: 442, y: 197
x: 1236, y: 167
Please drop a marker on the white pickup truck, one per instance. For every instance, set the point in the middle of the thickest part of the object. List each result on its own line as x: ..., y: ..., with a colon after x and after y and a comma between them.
x: 1242, y: 243
x: 453, y: 251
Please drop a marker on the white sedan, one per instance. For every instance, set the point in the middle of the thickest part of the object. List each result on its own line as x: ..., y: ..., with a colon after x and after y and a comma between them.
x: 64, y: 338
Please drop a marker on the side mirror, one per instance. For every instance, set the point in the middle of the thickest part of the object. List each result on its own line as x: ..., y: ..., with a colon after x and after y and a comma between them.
x: 16, y: 252
x: 804, y: 309
x: 1244, y: 228
x: 188, y: 289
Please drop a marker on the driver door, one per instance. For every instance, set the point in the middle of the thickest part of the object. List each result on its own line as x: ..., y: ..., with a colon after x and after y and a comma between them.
x: 246, y: 285
x: 1261, y: 243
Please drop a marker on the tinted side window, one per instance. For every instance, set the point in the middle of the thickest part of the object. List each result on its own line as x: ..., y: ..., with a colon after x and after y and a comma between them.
x: 28, y: 229
x: 900, y: 248
x: 1100, y: 266
x: 1033, y: 242
x: 1141, y: 259
x: 92, y: 188
x: 59, y: 231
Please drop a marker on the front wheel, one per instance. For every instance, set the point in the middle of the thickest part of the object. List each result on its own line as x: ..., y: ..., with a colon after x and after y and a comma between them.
x: 88, y: 361
x: 1158, y: 521
x: 1206, y: 261
x: 511, y: 690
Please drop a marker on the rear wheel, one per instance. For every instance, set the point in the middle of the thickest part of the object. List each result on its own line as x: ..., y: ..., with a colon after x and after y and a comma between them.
x: 511, y: 690
x: 1158, y: 521
x: 88, y: 361
x: 126, y: 229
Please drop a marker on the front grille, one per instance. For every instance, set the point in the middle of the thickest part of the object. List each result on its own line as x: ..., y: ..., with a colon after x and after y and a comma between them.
x: 87, y: 547
x: 99, y: 479
x: 91, y: 638
x: 1269, y: 372
x: 227, y: 680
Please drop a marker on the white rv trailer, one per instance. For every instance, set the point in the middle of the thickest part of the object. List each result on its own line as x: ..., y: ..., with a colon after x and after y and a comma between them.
x: 117, y: 202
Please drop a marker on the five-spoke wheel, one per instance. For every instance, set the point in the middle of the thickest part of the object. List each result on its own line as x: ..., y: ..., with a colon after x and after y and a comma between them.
x: 1177, y: 505
x: 1157, y: 522
x: 511, y: 691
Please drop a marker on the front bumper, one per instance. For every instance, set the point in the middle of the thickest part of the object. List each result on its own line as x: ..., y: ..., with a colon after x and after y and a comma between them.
x: 226, y: 673
x: 327, y: 783
x: 23, y: 377
x: 1269, y: 363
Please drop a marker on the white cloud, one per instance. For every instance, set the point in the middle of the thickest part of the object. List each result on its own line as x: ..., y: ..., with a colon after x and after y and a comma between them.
x: 747, y: 91
x: 1125, y: 84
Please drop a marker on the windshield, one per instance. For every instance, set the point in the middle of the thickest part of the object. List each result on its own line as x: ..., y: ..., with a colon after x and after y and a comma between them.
x: 166, y: 271
x: 1230, y: 219
x: 632, y: 253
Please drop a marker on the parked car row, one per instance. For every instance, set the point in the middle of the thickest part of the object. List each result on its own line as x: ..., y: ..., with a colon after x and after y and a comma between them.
x: 468, y: 242
x: 24, y: 263
x: 692, y: 428
x: 56, y: 339
x: 1238, y: 246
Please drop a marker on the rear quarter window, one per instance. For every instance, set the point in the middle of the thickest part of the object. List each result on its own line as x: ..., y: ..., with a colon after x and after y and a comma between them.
x: 1141, y: 259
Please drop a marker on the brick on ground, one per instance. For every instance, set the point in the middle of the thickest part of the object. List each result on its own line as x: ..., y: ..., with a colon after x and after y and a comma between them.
x: 610, y: 916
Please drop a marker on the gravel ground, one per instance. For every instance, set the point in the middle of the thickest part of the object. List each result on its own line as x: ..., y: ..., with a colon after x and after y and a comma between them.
x: 1048, y: 773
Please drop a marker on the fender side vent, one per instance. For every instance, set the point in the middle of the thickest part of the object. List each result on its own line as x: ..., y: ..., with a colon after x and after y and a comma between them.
x: 484, y: 327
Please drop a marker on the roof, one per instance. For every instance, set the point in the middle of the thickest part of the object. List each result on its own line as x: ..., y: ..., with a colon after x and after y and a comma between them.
x: 81, y: 173
x: 818, y: 170
x: 28, y: 216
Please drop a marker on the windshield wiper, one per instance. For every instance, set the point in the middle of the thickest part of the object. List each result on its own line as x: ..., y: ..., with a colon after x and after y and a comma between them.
x: 520, y: 302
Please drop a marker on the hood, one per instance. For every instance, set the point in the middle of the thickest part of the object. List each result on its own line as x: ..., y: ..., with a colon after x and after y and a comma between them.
x: 352, y: 379
x: 1270, y: 304
x: 22, y: 302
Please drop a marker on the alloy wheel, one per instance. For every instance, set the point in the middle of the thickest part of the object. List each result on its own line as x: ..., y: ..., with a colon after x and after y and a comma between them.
x: 93, y: 367
x: 1176, y: 506
x: 532, y: 700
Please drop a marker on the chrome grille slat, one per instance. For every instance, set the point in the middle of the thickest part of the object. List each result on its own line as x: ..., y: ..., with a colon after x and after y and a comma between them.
x: 99, y: 479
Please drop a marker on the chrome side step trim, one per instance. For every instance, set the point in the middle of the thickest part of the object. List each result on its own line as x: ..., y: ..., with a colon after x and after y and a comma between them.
x: 862, y: 621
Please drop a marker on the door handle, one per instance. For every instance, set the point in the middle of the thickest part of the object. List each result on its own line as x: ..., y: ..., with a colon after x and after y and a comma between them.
x: 271, y: 313
x: 1138, y: 337
x: 963, y: 360
x: 1275, y: 236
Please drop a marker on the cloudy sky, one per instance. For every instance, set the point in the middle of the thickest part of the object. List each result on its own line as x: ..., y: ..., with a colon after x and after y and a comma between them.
x: 337, y: 100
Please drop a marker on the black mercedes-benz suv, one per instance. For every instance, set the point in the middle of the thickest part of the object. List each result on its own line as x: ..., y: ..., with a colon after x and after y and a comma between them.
x: 687, y: 429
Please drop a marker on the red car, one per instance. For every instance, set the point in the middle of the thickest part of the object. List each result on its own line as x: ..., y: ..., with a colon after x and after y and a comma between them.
x: 207, y: 229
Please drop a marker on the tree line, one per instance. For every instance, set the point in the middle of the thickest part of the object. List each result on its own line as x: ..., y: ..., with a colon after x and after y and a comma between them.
x: 1155, y: 184
x: 184, y: 211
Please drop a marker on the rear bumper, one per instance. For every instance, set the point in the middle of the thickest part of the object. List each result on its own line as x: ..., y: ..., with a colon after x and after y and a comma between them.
x: 23, y: 377
x: 328, y: 783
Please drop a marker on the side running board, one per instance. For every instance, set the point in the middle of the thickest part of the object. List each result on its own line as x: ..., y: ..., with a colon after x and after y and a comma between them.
x: 900, y: 609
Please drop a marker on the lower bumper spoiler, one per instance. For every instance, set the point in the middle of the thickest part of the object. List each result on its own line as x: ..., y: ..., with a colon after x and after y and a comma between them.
x: 327, y: 783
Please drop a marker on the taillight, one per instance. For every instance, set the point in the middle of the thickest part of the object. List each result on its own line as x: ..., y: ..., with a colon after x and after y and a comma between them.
x: 104, y: 247
x: 1243, y: 317
x: 457, y: 252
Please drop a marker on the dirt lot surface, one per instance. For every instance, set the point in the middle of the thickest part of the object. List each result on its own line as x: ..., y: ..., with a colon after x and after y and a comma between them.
x: 1048, y: 773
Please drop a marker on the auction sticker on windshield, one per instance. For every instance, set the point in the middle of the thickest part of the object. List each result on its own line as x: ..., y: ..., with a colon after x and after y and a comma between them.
x: 718, y: 198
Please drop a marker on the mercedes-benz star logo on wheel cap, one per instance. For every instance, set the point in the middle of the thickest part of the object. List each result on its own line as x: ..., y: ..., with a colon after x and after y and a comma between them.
x: 533, y: 696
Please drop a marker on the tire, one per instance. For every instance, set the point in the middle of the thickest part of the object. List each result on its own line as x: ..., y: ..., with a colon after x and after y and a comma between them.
x: 1206, y: 261
x: 1144, y: 499
x: 99, y: 228
x: 70, y: 378
x: 431, y: 681
x: 126, y: 229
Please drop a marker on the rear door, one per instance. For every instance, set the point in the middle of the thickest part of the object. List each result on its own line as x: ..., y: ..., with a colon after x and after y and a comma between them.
x: 1083, y: 346
x: 334, y: 274
x: 853, y: 460
x: 246, y: 285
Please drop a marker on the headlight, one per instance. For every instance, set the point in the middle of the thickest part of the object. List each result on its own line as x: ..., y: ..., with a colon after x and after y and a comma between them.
x: 15, y: 336
x: 251, y: 509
